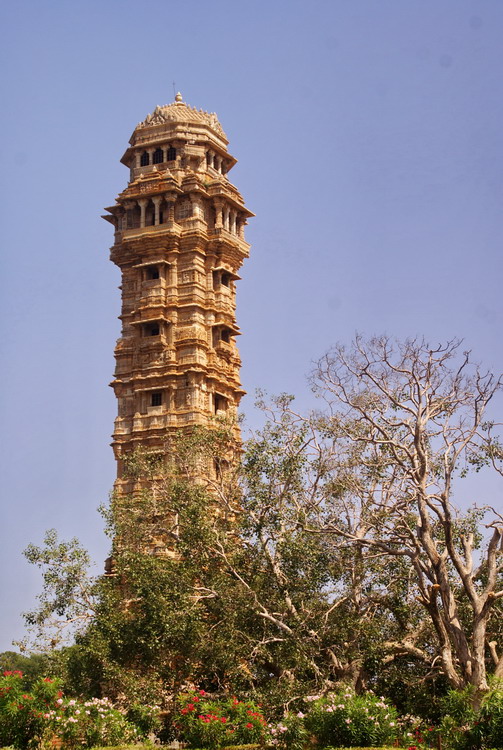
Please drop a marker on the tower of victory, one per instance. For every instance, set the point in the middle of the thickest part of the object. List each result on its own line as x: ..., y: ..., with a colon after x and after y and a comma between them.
x: 179, y: 243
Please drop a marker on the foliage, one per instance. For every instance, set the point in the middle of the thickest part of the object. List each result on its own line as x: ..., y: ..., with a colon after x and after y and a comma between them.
x: 32, y: 666
x: 31, y: 718
x: 464, y: 727
x: 24, y: 715
x: 90, y: 723
x: 204, y: 722
x: 67, y: 600
x: 332, y: 554
x: 344, y: 718
x: 290, y: 733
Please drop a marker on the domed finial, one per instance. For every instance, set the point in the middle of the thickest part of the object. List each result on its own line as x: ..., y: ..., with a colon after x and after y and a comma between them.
x: 178, y: 98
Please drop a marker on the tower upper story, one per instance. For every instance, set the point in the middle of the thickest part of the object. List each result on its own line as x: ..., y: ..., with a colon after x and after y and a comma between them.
x: 179, y: 243
x: 177, y: 135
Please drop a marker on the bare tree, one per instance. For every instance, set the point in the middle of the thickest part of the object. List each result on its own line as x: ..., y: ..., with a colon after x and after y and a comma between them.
x: 406, y: 422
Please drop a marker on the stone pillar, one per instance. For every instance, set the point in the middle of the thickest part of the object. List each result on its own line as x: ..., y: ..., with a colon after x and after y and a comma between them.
x: 143, y: 207
x: 156, y: 199
x: 233, y: 221
x: 219, y: 216
x: 170, y: 199
x: 138, y: 159
x: 198, y: 210
x: 226, y: 217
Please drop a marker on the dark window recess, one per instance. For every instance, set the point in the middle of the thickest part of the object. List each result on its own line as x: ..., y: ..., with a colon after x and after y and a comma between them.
x: 161, y: 217
x: 225, y: 279
x: 152, y: 272
x: 145, y: 159
x: 225, y: 335
x: 150, y: 216
x: 152, y: 329
x: 158, y: 156
x: 171, y: 155
x: 156, y: 398
x: 219, y: 402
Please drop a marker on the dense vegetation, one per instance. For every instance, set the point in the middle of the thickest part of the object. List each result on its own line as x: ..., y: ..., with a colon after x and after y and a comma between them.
x: 337, y: 561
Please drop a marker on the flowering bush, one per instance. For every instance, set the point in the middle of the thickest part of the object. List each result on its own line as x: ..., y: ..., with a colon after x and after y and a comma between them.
x: 290, y: 733
x: 88, y: 723
x: 23, y: 716
x: 29, y: 719
x: 346, y: 719
x: 203, y: 722
x: 417, y: 733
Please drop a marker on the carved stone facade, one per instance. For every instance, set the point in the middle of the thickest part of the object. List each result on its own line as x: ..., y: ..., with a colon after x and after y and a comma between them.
x: 179, y: 243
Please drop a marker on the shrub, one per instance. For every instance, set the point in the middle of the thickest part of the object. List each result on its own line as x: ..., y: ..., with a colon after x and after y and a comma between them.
x: 290, y: 733
x: 207, y: 723
x: 24, y: 715
x: 465, y: 728
x: 346, y: 719
x: 29, y: 719
x: 490, y: 717
x: 90, y: 723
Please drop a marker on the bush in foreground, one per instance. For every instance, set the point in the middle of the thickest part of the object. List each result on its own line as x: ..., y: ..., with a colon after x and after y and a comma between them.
x: 203, y: 722
x: 346, y: 719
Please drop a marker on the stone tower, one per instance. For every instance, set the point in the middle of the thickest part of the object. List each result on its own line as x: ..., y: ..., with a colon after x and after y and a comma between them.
x: 179, y: 243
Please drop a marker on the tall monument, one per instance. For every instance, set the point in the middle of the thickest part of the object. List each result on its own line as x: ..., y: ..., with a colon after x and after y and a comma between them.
x: 179, y: 243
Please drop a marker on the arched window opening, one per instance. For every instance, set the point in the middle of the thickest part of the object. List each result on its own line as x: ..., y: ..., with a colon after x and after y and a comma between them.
x: 171, y: 155
x: 158, y: 156
x: 145, y: 159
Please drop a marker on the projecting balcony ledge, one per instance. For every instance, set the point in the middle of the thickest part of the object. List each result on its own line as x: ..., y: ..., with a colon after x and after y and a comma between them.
x: 133, y: 232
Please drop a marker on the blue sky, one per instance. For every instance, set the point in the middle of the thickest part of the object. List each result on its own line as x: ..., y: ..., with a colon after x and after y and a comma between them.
x: 369, y: 139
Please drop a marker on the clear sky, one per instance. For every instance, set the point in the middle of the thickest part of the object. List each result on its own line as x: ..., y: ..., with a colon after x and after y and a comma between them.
x: 369, y: 139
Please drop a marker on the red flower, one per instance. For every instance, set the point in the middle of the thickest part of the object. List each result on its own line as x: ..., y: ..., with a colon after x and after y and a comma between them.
x: 223, y: 719
x: 249, y: 726
x: 201, y: 692
x: 48, y: 679
x: 190, y: 706
x: 185, y: 711
x: 195, y: 699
